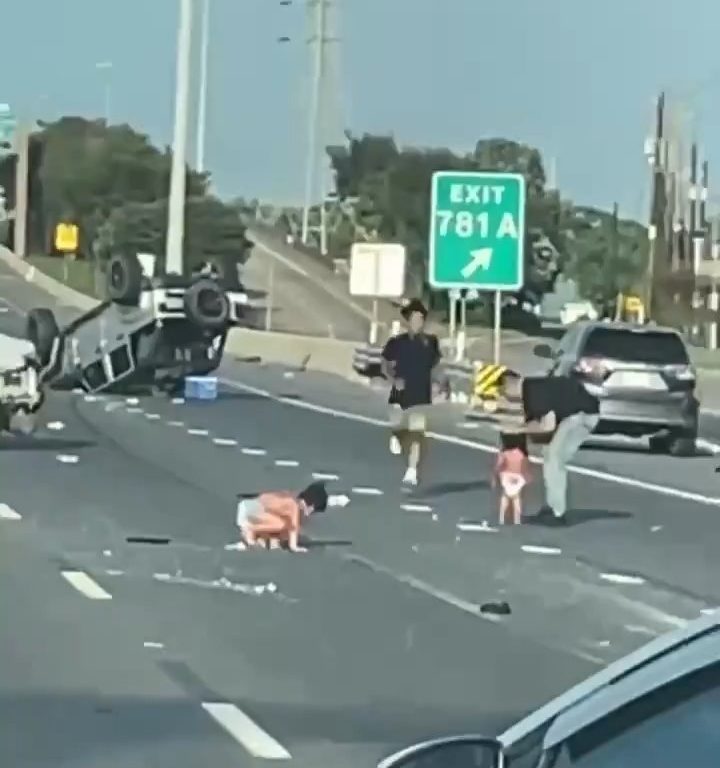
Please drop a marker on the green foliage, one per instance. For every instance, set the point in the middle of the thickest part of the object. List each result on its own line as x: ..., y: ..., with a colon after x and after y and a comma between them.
x: 606, y: 255
x: 389, y: 192
x: 114, y: 183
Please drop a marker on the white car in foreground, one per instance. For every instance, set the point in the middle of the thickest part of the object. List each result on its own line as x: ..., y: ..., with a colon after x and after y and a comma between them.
x: 659, y: 707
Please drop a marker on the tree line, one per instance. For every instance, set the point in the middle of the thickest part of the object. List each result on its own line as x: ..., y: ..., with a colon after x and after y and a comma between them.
x: 113, y: 183
x: 383, y: 194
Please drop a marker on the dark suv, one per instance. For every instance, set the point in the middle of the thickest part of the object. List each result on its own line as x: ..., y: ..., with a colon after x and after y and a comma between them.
x: 642, y: 375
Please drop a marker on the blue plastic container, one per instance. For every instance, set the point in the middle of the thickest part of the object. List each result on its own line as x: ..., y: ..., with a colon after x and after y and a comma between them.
x: 201, y: 388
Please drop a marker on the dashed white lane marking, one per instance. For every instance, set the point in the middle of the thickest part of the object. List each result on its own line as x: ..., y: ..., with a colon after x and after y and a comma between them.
x: 132, y: 401
x: 468, y: 425
x: 110, y: 407
x: 85, y: 585
x: 637, y: 629
x: 56, y: 426
x: 621, y: 578
x: 707, y: 445
x: 152, y: 644
x: 630, y: 482
x: 152, y: 416
x: 656, y: 528
x: 325, y: 476
x: 198, y: 432
x: 176, y: 423
x: 4, y: 309
x: 178, y: 400
x: 254, y: 451
x: 134, y: 409
x: 67, y: 458
x: 532, y: 549
x: 362, y: 491
x: 416, y: 507
x: 224, y: 441
x: 245, y: 731
x: 8, y: 513
x: 90, y: 399
x: 483, y: 527
x: 286, y: 463
x: 708, y: 611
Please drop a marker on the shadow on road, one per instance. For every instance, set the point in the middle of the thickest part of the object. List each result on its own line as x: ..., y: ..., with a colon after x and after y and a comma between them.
x: 458, y: 486
x: 580, y: 516
x: 23, y: 443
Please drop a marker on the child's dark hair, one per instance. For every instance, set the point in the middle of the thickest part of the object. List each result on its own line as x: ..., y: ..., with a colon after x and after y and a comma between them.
x: 510, y: 440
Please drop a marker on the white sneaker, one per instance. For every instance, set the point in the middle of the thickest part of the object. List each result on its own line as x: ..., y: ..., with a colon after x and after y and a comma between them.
x: 410, y: 477
x: 395, y: 447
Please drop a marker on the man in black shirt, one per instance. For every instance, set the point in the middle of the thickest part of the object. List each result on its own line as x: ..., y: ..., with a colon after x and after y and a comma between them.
x: 408, y: 361
x: 561, y: 408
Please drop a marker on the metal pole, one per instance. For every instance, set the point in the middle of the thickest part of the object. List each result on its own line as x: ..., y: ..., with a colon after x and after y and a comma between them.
x: 319, y: 39
x: 176, y: 204
x: 452, y: 324
x: 22, y: 183
x: 269, y: 300
x: 323, y: 228
x: 497, y: 325
x: 374, y: 323
x: 202, y: 98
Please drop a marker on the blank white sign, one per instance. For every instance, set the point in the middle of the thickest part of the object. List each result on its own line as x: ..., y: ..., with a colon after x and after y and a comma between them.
x: 378, y: 270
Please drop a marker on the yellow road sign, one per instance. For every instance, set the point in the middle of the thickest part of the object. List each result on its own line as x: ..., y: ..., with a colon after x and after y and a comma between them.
x: 487, y: 380
x: 633, y: 304
x: 67, y: 238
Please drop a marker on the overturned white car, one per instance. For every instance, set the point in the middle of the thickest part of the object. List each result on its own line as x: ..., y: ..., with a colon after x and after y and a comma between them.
x: 151, y: 331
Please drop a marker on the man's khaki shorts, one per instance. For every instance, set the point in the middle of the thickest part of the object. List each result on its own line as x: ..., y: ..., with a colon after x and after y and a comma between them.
x: 410, y: 419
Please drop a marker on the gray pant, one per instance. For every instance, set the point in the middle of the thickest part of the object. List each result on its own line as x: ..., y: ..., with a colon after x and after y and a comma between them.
x: 571, y: 433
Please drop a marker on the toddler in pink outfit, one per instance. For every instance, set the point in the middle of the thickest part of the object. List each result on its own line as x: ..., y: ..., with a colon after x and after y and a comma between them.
x: 512, y: 472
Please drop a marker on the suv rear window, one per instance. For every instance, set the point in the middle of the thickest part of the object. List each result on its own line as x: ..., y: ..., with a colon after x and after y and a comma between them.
x: 650, y: 347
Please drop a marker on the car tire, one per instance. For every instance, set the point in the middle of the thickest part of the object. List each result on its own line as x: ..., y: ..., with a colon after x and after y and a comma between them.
x: 124, y: 279
x: 206, y: 305
x: 42, y: 330
x: 679, y: 444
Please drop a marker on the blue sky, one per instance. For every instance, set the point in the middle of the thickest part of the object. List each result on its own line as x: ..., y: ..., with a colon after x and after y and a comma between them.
x: 573, y: 77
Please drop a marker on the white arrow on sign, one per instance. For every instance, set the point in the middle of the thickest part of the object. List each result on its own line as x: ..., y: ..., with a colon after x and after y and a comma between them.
x: 480, y: 259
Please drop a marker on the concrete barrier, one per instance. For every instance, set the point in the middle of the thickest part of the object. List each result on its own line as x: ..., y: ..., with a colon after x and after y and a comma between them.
x: 317, y: 354
x: 55, y: 288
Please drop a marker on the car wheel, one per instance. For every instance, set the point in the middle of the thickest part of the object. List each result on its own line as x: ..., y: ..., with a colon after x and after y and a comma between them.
x: 42, y: 330
x: 124, y: 279
x: 679, y: 444
x: 206, y: 305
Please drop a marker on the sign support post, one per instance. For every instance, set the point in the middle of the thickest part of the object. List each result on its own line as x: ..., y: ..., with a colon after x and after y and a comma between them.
x: 477, y: 237
x: 374, y: 323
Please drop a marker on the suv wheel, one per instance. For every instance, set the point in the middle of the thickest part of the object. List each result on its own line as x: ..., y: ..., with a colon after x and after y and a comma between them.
x: 681, y: 444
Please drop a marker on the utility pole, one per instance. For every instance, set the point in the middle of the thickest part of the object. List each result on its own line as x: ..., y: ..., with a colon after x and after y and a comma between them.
x: 202, y: 98
x: 22, y: 184
x: 656, y: 155
x: 176, y: 203
x: 318, y: 40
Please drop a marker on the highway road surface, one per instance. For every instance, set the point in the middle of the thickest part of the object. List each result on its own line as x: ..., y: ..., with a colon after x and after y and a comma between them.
x: 130, y: 636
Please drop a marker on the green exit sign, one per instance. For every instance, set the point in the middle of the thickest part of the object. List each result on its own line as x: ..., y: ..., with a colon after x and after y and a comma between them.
x: 477, y: 231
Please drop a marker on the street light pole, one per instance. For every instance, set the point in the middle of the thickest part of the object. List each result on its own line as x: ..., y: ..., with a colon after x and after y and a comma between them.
x: 320, y: 40
x: 202, y: 100
x: 176, y: 203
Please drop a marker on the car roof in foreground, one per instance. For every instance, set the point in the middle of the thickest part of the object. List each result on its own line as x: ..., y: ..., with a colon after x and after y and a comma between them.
x: 661, y: 648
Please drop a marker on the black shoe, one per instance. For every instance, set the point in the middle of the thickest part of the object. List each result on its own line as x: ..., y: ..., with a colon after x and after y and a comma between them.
x: 547, y: 516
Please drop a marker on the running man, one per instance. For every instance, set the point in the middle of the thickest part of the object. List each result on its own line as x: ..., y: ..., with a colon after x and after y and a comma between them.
x: 277, y: 516
x: 408, y: 361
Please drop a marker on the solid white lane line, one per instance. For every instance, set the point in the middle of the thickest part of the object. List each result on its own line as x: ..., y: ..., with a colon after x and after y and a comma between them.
x: 198, y: 432
x: 85, y: 585
x: 254, y: 451
x: 245, y: 731
x: 286, y: 463
x: 631, y: 482
x: 8, y: 513
x: 224, y: 441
